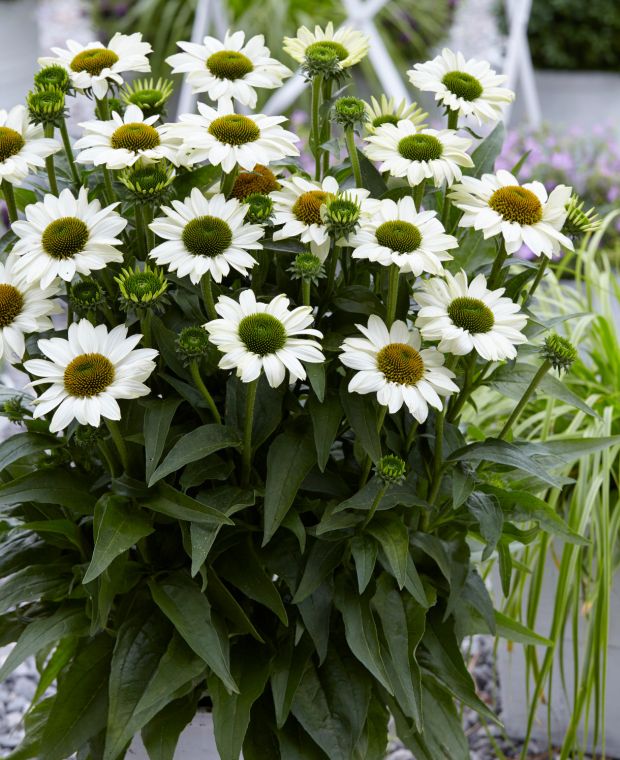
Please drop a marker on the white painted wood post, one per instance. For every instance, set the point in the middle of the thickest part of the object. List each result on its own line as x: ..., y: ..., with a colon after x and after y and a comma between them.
x: 518, y: 62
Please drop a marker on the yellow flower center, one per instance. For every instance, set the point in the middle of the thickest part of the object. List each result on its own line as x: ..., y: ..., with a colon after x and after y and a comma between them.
x: 11, y: 142
x: 517, y: 204
x: 135, y: 137
x: 88, y: 375
x: 234, y: 129
x: 229, y: 64
x: 94, y: 61
x: 11, y: 304
x: 400, y: 363
x: 64, y: 237
x: 307, y: 208
x: 471, y: 314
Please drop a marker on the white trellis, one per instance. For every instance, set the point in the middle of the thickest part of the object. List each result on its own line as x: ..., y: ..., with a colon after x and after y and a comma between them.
x: 361, y: 14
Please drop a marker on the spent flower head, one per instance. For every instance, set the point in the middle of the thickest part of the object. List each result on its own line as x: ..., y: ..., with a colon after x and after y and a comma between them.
x: 559, y: 351
x: 260, y: 179
x: 149, y: 95
x: 142, y: 288
x: 391, y: 469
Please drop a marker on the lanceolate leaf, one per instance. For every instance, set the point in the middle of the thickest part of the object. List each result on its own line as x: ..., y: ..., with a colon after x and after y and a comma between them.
x: 290, y: 458
x: 393, y: 537
x: 25, y: 444
x: 161, y: 734
x: 157, y: 419
x: 34, y: 583
x: 325, y: 418
x: 49, y: 487
x: 118, y: 525
x: 197, y: 444
x: 362, y: 416
x: 169, y: 501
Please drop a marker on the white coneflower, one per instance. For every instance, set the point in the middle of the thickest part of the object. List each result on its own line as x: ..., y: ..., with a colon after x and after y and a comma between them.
x: 389, y: 111
x: 260, y: 337
x: 298, y: 207
x: 469, y: 317
x: 123, y: 140
x: 24, y: 308
x: 23, y: 148
x: 470, y: 87
x: 88, y: 373
x: 95, y: 66
x: 205, y: 236
x: 397, y: 234
x: 418, y: 155
x: 67, y: 235
x: 391, y: 364
x: 497, y: 204
x: 226, y: 138
x: 231, y: 69
x: 349, y: 45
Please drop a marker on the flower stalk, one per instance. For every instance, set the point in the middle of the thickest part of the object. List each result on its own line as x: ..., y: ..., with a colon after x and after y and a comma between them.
x: 246, y: 453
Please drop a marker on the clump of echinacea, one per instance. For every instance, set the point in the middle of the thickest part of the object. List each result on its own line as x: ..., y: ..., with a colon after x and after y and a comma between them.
x: 466, y: 87
x: 96, y: 67
x: 230, y: 69
x: 497, y: 204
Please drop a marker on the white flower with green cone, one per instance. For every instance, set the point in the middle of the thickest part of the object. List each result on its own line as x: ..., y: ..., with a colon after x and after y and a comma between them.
x: 231, y: 69
x: 497, y: 204
x: 468, y: 317
x: 397, y: 234
x: 349, y: 45
x: 65, y: 236
x: 392, y: 364
x: 205, y: 236
x: 418, y: 155
x: 25, y: 308
x: 96, y: 66
x: 88, y: 372
x: 257, y: 337
x: 469, y: 87
x: 389, y: 111
x: 23, y: 146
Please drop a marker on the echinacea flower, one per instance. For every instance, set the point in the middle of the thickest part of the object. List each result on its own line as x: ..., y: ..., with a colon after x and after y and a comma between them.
x: 469, y: 317
x: 88, y: 372
x: 258, y: 337
x: 298, y: 205
x: 226, y: 138
x: 23, y: 147
x: 95, y: 66
x: 231, y: 69
x: 418, y: 155
x: 67, y: 235
x: 497, y: 204
x: 205, y: 236
x: 389, y: 111
x: 391, y: 364
x: 24, y: 308
x: 470, y: 87
x: 123, y: 140
x: 398, y: 234
x: 349, y: 45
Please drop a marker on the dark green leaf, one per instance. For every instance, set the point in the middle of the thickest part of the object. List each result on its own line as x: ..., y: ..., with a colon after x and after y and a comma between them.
x: 118, y: 526
x: 49, y: 487
x: 364, y: 550
x: 25, y: 444
x: 486, y: 153
x: 34, y: 583
x: 323, y: 557
x: 371, y: 178
x: 169, y: 501
x: 290, y: 458
x: 161, y: 734
x: 393, y: 538
x: 157, y: 419
x: 511, y: 629
x: 362, y: 415
x: 286, y: 673
x: 316, y: 377
x: 325, y: 423
x: 487, y: 511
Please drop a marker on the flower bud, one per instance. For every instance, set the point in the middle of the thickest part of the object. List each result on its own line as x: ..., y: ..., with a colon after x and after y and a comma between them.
x: 149, y: 96
x: 350, y: 112
x: 148, y: 183
x: 307, y: 267
x: 391, y: 469
x: 85, y: 296
x: 260, y: 208
x: 341, y: 214
x: 142, y: 289
x: 559, y: 351
x: 47, y: 106
x: 579, y: 222
x: 193, y: 343
x: 53, y: 77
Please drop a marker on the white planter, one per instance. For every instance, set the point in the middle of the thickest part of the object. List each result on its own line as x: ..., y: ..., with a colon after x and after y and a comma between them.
x: 19, y: 45
x: 511, y: 671
x: 197, y: 742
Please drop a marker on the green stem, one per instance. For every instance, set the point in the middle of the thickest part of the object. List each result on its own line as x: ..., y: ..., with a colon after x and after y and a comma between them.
x: 49, y: 162
x: 103, y: 109
x: 246, y: 461
x: 374, y: 506
x: 368, y: 460
x: 207, y: 296
x: 228, y: 181
x: 334, y: 255
x: 9, y: 199
x: 355, y: 162
x: 392, y: 298
x: 69, y: 153
x: 198, y: 381
x: 69, y: 310
x: 437, y: 455
x: 326, y: 130
x: 147, y: 213
x: 516, y: 412
x: 496, y: 276
x: 315, y: 137
x: 119, y: 442
x: 537, y: 280
x: 418, y: 194
x: 140, y: 233
x: 305, y: 291
x: 145, y: 327
x: 411, y: 435
x: 453, y: 119
x: 107, y: 183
